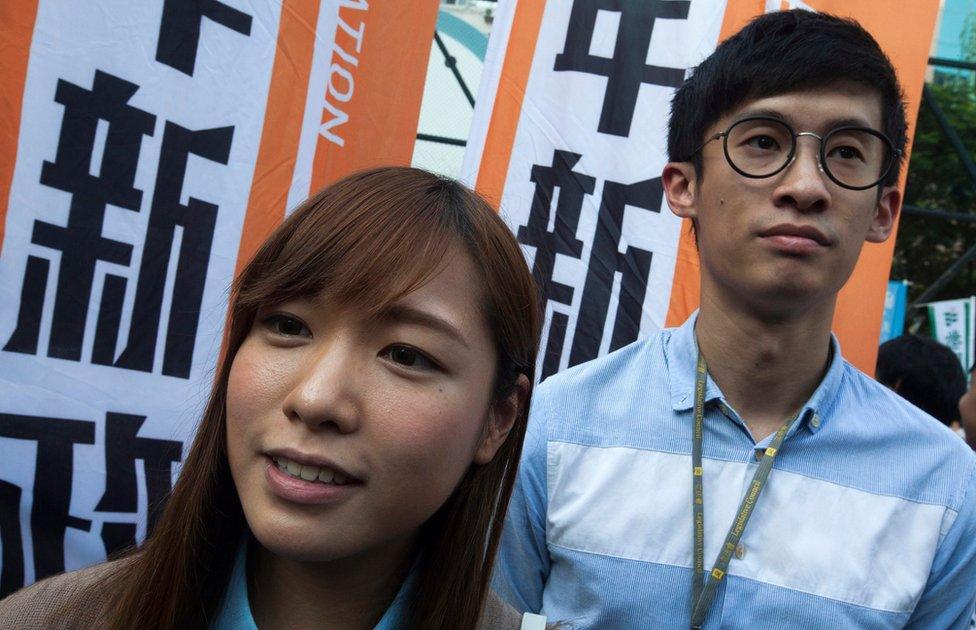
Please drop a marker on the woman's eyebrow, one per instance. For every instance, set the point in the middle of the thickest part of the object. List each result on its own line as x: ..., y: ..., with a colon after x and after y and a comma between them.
x: 411, y: 315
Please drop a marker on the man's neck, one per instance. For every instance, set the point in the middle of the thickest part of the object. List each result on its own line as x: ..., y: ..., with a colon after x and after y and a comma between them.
x: 347, y: 593
x: 766, y: 366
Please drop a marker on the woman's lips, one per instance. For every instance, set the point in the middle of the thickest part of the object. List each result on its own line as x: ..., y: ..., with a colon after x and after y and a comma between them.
x: 297, y: 490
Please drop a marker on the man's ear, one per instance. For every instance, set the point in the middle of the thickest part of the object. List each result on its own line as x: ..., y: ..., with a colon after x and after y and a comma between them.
x: 885, y: 215
x: 501, y: 419
x: 680, y: 188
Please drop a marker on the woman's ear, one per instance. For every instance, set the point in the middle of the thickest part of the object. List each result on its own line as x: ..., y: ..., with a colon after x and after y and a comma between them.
x: 501, y: 419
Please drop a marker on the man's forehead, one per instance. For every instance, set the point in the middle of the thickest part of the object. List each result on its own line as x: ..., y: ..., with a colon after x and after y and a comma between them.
x: 819, y: 109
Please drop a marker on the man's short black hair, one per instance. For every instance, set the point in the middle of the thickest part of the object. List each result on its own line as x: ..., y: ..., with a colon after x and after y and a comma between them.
x: 778, y: 53
x: 925, y: 373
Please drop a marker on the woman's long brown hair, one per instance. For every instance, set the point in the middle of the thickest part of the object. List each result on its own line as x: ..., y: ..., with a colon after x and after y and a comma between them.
x: 368, y: 239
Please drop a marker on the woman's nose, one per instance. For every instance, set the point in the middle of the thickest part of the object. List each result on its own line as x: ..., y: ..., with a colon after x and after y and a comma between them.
x: 325, y: 391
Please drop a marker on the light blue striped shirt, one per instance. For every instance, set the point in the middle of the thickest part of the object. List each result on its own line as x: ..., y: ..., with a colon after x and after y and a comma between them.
x: 868, y: 519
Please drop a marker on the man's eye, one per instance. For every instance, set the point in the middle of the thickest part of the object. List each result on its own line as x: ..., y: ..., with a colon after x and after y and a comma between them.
x: 286, y: 326
x: 846, y: 153
x: 766, y: 143
x: 408, y: 357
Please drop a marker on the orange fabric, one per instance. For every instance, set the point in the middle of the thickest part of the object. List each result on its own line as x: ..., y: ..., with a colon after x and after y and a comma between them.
x: 905, y: 36
x: 387, y: 87
x: 16, y: 31
x: 283, y: 114
x: 508, y: 99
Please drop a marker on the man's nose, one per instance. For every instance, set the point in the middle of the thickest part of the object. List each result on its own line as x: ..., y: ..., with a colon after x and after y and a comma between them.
x: 325, y: 393
x: 803, y: 183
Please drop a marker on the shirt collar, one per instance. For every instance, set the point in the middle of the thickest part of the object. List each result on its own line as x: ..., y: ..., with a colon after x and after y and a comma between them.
x: 235, y: 610
x: 681, y: 354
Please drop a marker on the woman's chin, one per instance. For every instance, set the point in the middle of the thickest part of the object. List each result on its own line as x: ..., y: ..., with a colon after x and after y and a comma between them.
x: 298, y: 544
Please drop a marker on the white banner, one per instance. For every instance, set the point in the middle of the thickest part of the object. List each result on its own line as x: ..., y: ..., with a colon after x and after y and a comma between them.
x: 582, y: 189
x: 953, y: 323
x: 146, y: 149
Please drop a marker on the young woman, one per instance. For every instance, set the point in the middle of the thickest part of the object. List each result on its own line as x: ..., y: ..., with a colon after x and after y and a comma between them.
x: 355, y: 460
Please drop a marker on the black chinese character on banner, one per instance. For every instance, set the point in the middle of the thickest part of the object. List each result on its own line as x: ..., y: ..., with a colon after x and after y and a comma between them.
x: 627, y: 70
x: 561, y: 239
x: 81, y: 242
x: 50, y: 517
x: 93, y: 186
x: 551, y: 235
x: 52, y: 488
x: 179, y: 30
x: 633, y: 265
x: 197, y: 219
x: 123, y: 447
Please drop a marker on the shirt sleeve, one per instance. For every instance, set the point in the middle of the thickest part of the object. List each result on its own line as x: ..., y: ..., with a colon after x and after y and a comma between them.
x: 522, y: 565
x: 950, y: 593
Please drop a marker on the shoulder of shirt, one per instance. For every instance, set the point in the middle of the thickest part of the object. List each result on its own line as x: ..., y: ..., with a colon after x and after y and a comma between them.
x: 894, y: 413
x: 76, y: 599
x: 630, y: 360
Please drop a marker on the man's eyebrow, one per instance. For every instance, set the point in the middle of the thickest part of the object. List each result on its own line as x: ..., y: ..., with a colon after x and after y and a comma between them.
x: 833, y: 123
x: 411, y: 315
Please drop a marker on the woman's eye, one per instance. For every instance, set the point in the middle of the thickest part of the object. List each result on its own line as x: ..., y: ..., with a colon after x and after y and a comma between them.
x: 408, y: 357
x: 287, y: 326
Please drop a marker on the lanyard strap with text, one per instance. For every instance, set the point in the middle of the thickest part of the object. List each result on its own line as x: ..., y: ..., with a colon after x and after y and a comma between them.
x: 702, y: 594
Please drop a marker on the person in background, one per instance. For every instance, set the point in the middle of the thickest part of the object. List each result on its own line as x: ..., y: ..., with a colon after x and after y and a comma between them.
x: 967, y: 410
x: 925, y: 373
x: 356, y: 457
x: 736, y: 472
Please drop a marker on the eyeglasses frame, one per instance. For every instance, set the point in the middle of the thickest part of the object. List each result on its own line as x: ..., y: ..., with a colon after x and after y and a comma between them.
x: 893, y: 153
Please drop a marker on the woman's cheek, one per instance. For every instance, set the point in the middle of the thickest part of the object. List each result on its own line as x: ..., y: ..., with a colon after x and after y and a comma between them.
x: 436, y: 433
x: 256, y: 379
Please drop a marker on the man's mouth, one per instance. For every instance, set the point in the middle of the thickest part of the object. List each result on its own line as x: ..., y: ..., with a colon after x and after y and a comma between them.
x: 796, y: 234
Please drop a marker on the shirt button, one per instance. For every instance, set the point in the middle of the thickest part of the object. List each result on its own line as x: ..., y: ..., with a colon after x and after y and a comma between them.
x: 740, y: 551
x: 815, y: 421
x: 759, y: 453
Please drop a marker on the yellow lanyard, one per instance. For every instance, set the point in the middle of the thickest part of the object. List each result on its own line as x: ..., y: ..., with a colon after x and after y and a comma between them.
x: 702, y: 594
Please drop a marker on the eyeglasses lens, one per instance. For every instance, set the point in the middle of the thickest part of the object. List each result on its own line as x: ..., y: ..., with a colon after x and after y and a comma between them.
x: 854, y: 157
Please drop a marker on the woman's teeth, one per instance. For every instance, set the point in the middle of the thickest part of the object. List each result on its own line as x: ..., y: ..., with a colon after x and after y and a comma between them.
x: 310, y: 473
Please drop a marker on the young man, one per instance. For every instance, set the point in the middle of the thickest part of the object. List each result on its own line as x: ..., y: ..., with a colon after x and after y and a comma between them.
x: 818, y: 499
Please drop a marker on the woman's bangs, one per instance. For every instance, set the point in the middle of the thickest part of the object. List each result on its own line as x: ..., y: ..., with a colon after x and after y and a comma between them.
x: 364, y: 251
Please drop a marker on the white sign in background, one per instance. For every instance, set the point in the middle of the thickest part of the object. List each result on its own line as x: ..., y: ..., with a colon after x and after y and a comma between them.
x: 565, y: 98
x: 225, y: 90
x: 953, y: 324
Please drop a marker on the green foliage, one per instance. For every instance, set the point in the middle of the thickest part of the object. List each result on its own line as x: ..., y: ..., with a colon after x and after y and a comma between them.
x: 926, y: 247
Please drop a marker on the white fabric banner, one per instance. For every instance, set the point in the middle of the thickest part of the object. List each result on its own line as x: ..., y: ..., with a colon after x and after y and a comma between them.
x: 953, y: 323
x: 582, y: 190
x: 146, y: 150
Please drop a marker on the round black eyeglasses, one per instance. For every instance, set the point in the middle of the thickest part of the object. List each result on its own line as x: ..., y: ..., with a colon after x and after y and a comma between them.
x: 856, y: 158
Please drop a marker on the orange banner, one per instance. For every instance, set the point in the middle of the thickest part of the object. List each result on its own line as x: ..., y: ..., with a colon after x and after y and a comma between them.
x: 18, y: 20
x: 373, y: 71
